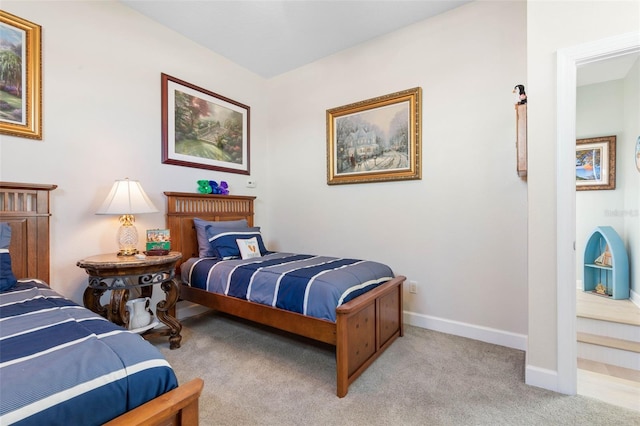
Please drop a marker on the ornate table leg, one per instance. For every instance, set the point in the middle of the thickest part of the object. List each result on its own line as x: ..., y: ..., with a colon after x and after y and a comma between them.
x: 163, y: 310
x: 117, y: 312
x: 91, y: 300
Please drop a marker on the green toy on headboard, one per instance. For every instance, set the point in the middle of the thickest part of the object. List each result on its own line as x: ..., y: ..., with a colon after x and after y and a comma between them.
x: 212, y: 187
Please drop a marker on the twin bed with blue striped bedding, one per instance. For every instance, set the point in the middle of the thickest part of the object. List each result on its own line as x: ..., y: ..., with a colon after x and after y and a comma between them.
x: 310, y: 285
x: 62, y: 364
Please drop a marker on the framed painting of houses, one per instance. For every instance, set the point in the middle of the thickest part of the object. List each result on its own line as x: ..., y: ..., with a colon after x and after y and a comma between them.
x: 596, y: 163
x: 375, y: 140
x: 203, y: 129
x: 20, y: 77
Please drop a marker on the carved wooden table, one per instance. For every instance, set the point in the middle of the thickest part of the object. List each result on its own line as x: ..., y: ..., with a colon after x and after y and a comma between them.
x: 120, y: 274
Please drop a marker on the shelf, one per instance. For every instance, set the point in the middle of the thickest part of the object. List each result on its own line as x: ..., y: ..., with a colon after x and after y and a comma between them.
x: 521, y: 140
x: 593, y: 265
x: 614, y: 279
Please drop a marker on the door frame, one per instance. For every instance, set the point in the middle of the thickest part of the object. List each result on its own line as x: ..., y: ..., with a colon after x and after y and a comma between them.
x: 568, y: 61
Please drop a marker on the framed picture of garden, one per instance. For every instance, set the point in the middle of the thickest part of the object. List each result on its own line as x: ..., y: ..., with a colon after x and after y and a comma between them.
x: 20, y: 77
x: 203, y: 129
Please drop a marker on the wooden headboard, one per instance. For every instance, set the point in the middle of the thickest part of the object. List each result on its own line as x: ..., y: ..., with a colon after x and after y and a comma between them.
x: 182, y: 207
x: 25, y: 206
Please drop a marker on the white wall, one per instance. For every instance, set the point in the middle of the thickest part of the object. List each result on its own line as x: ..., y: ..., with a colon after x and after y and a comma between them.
x: 630, y: 176
x: 552, y: 26
x: 101, y: 122
x: 460, y: 232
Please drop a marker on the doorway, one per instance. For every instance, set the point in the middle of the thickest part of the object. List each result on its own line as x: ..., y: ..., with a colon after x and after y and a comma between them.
x: 568, y: 61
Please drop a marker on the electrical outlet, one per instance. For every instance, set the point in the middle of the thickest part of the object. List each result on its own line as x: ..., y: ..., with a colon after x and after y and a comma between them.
x: 413, y: 287
x: 251, y: 183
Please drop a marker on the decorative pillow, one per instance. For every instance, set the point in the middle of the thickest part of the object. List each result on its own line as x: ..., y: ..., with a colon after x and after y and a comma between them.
x: 223, y: 241
x: 7, y: 279
x: 249, y: 248
x: 204, y: 249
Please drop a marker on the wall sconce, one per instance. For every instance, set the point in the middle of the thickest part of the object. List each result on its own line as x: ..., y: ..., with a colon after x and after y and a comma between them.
x: 126, y: 199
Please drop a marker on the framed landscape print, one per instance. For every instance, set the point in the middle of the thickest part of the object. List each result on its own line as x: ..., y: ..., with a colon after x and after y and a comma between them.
x: 203, y: 129
x: 375, y: 140
x: 20, y: 77
x: 596, y: 163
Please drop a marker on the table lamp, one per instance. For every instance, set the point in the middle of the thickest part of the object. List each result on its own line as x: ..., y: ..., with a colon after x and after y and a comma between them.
x: 126, y: 199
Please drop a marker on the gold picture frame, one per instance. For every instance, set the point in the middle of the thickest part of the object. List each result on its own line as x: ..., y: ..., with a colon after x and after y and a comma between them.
x: 375, y: 140
x: 596, y: 163
x: 21, y: 80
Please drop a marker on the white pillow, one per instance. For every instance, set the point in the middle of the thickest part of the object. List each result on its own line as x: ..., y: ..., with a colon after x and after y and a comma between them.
x: 249, y: 248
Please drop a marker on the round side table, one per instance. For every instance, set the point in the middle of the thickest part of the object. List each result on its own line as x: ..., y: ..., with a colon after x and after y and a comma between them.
x: 120, y: 274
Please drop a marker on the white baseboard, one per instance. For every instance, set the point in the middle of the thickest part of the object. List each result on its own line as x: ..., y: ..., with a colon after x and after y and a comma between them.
x: 471, y: 331
x: 186, y: 309
x: 635, y: 298
x: 541, y: 378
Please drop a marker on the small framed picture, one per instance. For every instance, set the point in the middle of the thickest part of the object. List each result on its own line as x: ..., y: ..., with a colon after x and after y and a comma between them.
x: 158, y: 239
x: 596, y: 163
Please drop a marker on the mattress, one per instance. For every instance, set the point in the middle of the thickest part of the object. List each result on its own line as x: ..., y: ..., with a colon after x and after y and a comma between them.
x: 306, y: 284
x: 62, y: 364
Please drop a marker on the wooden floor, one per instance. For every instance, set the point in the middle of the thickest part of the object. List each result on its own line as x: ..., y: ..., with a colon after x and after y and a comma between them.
x: 611, y: 389
x: 606, y: 309
x: 609, y: 383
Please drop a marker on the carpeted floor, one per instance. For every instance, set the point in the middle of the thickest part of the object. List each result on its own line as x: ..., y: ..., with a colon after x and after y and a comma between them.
x: 258, y: 376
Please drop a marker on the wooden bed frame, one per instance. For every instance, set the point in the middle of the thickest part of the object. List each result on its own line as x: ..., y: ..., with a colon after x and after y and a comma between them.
x: 364, y: 327
x: 25, y: 207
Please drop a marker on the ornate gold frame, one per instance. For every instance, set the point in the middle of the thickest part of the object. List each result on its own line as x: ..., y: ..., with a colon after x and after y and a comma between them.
x: 350, y: 162
x: 31, y: 123
x: 606, y: 145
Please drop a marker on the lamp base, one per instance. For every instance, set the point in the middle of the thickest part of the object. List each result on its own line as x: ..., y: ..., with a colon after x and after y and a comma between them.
x: 127, y: 236
x: 128, y: 252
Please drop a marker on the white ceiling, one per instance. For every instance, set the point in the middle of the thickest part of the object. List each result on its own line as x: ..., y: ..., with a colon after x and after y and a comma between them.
x: 272, y: 37
x: 610, y: 69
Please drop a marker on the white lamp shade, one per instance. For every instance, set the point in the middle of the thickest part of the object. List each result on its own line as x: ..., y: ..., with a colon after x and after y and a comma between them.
x: 126, y: 197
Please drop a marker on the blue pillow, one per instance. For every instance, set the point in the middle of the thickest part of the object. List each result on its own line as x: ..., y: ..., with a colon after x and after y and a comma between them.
x: 223, y: 240
x: 204, y: 249
x: 7, y: 278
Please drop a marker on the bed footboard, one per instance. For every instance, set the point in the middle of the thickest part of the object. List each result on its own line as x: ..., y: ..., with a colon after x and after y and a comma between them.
x: 176, y: 407
x: 365, y: 327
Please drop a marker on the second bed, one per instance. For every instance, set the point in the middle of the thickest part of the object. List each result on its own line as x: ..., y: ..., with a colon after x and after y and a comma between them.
x: 362, y: 326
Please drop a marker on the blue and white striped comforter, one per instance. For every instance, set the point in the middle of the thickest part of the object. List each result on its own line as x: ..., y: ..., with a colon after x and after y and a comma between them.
x: 62, y: 364
x: 306, y: 284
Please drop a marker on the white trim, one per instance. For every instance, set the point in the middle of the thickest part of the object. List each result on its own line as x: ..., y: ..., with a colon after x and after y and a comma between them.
x: 634, y: 297
x: 568, y: 60
x: 471, y: 331
x: 566, y: 375
x: 540, y: 377
x: 185, y: 309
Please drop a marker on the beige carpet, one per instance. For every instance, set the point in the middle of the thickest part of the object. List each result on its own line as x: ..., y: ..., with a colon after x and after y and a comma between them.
x: 258, y: 376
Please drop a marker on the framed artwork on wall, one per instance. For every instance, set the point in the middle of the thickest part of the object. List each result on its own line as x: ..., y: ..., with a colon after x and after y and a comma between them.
x: 203, y: 129
x: 596, y: 163
x: 20, y: 77
x: 375, y: 140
